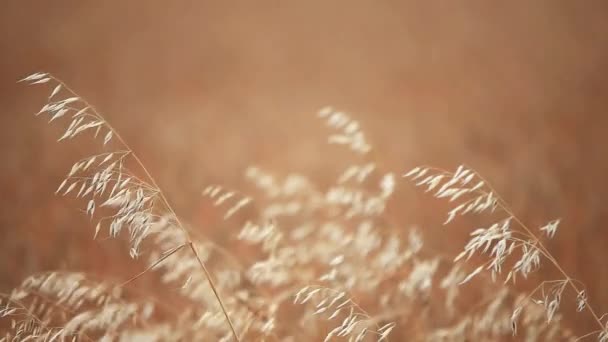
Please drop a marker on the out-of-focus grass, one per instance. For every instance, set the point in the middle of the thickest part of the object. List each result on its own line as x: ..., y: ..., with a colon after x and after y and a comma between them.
x: 203, y: 92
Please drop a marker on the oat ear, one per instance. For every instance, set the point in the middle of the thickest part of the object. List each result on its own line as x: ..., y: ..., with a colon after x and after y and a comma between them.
x: 130, y: 203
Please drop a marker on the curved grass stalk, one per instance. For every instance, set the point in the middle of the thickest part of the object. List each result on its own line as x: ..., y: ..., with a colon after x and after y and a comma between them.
x: 61, y: 108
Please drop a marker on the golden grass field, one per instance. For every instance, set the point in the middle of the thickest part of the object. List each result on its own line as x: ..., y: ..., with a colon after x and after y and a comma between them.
x: 201, y: 90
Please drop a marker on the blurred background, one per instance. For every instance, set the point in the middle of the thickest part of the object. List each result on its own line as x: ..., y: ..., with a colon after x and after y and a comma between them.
x: 201, y: 89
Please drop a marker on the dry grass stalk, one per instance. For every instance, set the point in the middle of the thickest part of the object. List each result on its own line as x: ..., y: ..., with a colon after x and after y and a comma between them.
x: 137, y: 200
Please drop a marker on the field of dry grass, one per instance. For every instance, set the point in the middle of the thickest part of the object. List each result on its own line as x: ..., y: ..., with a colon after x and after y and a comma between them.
x: 203, y: 91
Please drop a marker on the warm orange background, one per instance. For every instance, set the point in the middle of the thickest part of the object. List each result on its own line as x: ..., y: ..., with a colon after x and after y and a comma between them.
x: 202, y: 89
